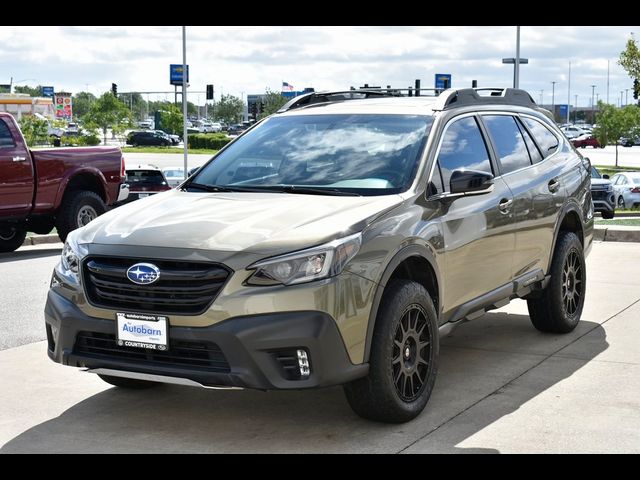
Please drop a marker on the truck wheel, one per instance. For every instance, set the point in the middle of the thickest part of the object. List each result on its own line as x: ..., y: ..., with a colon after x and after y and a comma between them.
x: 559, y: 307
x: 608, y: 214
x: 78, y: 209
x: 129, y: 383
x: 404, y: 357
x: 11, y: 238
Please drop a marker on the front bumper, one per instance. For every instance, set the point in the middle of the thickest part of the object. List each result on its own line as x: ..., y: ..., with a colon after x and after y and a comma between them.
x: 253, y: 348
x: 603, y: 201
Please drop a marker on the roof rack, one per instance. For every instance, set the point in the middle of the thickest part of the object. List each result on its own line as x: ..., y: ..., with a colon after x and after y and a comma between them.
x: 471, y: 96
x: 446, y: 99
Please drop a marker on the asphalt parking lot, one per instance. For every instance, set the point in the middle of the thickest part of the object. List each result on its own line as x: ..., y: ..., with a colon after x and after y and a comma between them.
x: 503, y: 387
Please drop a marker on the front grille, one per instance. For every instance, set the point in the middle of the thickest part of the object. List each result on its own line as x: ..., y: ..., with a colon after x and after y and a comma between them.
x: 184, y: 288
x: 203, y: 356
x: 599, y: 194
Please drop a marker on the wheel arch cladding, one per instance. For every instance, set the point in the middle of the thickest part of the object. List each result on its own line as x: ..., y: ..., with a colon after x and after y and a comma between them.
x: 414, y: 263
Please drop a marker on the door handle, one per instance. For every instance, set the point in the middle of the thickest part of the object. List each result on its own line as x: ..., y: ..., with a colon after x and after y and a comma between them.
x: 554, y: 185
x: 19, y: 159
x: 505, y: 205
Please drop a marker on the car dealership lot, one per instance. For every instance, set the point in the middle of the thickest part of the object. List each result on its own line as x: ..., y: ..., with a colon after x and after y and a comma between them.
x: 502, y: 387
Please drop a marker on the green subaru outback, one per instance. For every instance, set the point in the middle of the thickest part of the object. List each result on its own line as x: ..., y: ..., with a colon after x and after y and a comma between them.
x: 333, y: 243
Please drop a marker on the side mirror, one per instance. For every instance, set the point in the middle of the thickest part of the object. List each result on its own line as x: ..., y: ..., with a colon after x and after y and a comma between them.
x: 470, y: 182
x: 605, y: 176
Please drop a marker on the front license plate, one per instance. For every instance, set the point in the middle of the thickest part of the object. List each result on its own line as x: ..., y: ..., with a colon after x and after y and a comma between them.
x: 141, y: 330
x: 142, y: 195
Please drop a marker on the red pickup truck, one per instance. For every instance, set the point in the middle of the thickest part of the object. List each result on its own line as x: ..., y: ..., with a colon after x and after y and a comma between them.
x: 64, y: 188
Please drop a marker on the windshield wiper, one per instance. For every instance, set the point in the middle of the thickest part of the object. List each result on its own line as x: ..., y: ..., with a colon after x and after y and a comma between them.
x: 219, y: 188
x: 309, y: 190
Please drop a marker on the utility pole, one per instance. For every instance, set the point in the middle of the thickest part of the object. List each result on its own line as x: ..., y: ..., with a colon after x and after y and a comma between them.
x: 569, y: 97
x: 185, y: 134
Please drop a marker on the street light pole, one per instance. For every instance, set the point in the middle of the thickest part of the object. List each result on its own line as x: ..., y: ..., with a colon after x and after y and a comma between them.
x: 569, y: 97
x: 184, y: 99
x: 575, y: 109
x: 516, y: 75
x: 626, y: 98
x: 593, y: 109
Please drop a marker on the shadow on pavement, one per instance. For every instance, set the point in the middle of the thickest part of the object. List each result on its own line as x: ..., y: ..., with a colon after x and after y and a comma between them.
x: 182, y: 419
x: 29, y: 254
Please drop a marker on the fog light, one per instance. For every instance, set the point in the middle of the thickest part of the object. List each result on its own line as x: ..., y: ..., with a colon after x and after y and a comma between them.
x: 303, y: 364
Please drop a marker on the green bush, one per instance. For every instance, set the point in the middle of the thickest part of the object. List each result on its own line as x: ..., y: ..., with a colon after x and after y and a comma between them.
x: 211, y: 141
x: 89, y: 140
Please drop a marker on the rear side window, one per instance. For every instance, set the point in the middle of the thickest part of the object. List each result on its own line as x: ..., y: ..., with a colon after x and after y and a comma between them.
x: 6, y: 140
x: 509, y: 142
x: 547, y: 141
x: 462, y: 148
x: 534, y: 153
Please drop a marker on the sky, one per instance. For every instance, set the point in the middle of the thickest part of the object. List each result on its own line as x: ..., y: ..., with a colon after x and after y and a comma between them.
x: 248, y: 60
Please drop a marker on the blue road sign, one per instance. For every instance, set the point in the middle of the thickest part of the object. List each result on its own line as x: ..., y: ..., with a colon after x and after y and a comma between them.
x: 47, y: 92
x: 563, y: 111
x: 443, y: 80
x: 175, y: 74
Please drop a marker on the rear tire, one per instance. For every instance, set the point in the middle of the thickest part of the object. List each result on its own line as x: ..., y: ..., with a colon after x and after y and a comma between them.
x: 621, y: 203
x: 78, y: 208
x: 128, y: 383
x: 11, y: 238
x: 559, y: 307
x: 404, y: 357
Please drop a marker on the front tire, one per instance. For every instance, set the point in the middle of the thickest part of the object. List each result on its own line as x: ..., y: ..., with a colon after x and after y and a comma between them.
x: 404, y: 357
x: 77, y: 210
x: 608, y: 214
x: 621, y: 203
x: 11, y: 238
x: 559, y: 307
x: 128, y: 383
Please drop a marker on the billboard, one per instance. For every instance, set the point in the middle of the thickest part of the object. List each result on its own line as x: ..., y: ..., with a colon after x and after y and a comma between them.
x: 63, y: 106
x: 175, y: 74
x: 443, y: 81
x: 563, y: 111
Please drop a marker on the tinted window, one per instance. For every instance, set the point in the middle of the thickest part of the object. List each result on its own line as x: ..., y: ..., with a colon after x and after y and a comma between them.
x: 508, y: 141
x: 364, y: 154
x: 146, y: 177
x: 534, y: 153
x: 6, y: 140
x: 462, y: 148
x: 547, y: 141
x: 595, y: 173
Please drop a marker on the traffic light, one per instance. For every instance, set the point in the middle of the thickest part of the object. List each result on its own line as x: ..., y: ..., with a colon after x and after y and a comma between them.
x: 114, y: 89
x: 636, y: 89
x: 209, y: 92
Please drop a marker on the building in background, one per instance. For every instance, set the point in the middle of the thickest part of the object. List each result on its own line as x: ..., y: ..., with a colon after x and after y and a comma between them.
x: 19, y: 104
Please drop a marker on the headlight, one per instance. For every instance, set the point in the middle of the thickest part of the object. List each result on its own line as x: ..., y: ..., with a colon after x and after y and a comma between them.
x: 609, y: 188
x: 69, y: 259
x: 307, y: 265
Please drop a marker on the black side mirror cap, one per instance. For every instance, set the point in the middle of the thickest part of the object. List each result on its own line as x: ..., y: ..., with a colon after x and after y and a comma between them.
x: 605, y: 176
x: 470, y: 182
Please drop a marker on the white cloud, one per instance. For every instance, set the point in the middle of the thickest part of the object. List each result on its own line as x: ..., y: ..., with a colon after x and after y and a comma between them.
x: 250, y: 59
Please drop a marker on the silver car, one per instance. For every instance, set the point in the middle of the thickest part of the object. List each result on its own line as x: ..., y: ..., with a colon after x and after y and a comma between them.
x: 626, y: 186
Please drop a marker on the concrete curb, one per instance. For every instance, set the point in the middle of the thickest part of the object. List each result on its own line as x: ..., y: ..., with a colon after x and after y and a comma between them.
x: 41, y: 239
x: 616, y: 234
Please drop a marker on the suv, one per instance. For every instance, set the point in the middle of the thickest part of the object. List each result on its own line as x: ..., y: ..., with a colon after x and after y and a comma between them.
x: 604, y: 198
x: 330, y: 244
x: 149, y: 138
x: 144, y: 181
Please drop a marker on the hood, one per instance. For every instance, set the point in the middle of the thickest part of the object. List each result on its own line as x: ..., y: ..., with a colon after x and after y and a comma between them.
x: 600, y: 182
x: 261, y: 223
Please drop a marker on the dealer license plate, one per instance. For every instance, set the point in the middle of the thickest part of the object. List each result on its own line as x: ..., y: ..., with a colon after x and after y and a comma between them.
x: 141, y: 330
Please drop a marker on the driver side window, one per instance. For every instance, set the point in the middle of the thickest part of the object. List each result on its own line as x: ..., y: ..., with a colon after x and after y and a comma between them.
x: 462, y: 148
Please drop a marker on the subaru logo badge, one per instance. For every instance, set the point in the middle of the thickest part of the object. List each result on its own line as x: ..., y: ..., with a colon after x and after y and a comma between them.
x: 143, y: 273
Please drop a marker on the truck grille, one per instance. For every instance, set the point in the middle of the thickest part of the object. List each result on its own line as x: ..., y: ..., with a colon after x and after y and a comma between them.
x: 195, y: 355
x: 184, y: 288
x: 599, y: 194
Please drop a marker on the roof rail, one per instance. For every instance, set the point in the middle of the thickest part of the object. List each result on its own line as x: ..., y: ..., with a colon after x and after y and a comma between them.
x: 314, y: 98
x: 470, y: 96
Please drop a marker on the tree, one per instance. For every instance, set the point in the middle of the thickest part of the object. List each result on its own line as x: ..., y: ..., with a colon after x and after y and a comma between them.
x: 107, y: 111
x: 271, y: 103
x: 229, y: 109
x: 630, y: 61
x: 31, y: 91
x: 82, y: 102
x: 172, y: 119
x: 613, y: 123
x: 34, y: 130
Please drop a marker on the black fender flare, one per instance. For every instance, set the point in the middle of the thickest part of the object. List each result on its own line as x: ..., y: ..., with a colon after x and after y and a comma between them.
x: 414, y: 250
x: 570, y: 206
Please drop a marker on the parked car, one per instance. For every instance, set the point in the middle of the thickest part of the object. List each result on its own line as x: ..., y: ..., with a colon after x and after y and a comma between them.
x: 173, y: 175
x: 144, y: 181
x: 604, y: 199
x: 333, y: 245
x: 586, y: 140
x: 572, y: 131
x: 626, y: 186
x: 192, y: 171
x: 174, y: 139
x: 46, y: 188
x: 148, y: 138
x: 146, y: 124
x: 237, y: 129
x: 629, y: 141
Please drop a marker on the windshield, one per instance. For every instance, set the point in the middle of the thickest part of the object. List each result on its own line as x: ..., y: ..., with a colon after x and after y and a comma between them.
x: 361, y: 154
